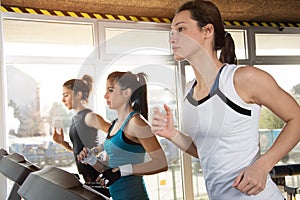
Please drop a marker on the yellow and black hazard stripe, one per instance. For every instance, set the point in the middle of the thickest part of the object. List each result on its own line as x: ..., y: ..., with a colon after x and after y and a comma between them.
x: 262, y: 24
x: 5, y: 8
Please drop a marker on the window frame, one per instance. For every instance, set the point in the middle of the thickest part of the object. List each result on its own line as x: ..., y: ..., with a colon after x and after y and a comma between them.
x: 273, y: 60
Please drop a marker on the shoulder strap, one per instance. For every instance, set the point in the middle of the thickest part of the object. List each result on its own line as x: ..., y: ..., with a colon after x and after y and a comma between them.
x: 127, y: 119
x: 216, y: 83
x: 213, y: 88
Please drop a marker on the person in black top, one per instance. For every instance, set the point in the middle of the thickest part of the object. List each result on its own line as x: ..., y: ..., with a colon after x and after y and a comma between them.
x: 85, y: 124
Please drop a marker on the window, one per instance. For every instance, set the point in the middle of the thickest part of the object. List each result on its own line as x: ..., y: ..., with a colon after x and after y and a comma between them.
x: 40, y: 56
x: 38, y: 38
x: 271, y: 125
x: 268, y: 44
x: 239, y: 37
x: 131, y: 41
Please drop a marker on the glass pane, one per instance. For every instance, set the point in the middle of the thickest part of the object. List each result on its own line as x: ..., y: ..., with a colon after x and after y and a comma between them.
x: 270, y: 126
x: 288, y: 79
x: 287, y: 76
x: 189, y: 73
x: 277, y: 44
x: 239, y: 37
x: 36, y: 38
x: 129, y: 41
x: 34, y: 105
x: 169, y: 185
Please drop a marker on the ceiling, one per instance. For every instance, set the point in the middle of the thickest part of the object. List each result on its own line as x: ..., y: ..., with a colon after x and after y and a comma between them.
x: 231, y: 10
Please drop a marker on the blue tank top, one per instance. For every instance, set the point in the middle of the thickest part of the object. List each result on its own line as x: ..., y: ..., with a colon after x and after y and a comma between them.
x: 122, y: 151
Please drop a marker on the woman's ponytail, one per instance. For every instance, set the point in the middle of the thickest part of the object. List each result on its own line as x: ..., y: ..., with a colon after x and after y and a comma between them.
x: 227, y: 54
x: 139, y: 97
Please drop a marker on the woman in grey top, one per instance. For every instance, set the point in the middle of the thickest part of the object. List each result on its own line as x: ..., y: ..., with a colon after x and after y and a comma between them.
x: 85, y: 124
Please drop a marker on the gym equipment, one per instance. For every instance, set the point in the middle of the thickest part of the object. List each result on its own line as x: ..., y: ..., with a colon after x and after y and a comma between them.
x: 54, y: 183
x: 16, y: 168
x: 278, y: 174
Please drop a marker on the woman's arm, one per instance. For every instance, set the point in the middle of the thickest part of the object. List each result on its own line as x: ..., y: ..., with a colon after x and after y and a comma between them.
x: 139, y: 131
x: 96, y: 121
x: 256, y: 86
x: 163, y: 125
x: 59, y: 139
x: 262, y: 89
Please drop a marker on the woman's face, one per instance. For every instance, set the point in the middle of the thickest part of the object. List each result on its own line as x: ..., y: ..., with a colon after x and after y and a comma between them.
x: 67, y: 98
x: 114, y: 95
x: 186, y: 37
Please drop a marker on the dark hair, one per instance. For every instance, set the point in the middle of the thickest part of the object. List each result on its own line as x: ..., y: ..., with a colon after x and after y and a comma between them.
x: 83, y: 85
x: 137, y: 84
x: 227, y: 54
x: 206, y: 12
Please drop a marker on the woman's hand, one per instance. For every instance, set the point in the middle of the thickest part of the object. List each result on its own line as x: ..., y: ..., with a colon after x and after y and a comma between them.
x: 86, y: 156
x: 83, y: 154
x: 163, y: 124
x: 251, y: 180
x: 109, y: 176
x: 58, y: 137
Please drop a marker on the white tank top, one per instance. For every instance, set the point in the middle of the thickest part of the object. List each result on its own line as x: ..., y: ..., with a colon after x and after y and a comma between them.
x: 225, y: 130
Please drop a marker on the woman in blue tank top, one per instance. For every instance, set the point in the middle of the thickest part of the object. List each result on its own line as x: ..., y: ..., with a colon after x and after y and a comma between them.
x: 129, y: 139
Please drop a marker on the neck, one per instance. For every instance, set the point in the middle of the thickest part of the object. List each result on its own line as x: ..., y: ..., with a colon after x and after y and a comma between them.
x: 79, y: 108
x: 206, y: 67
x: 124, y: 112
